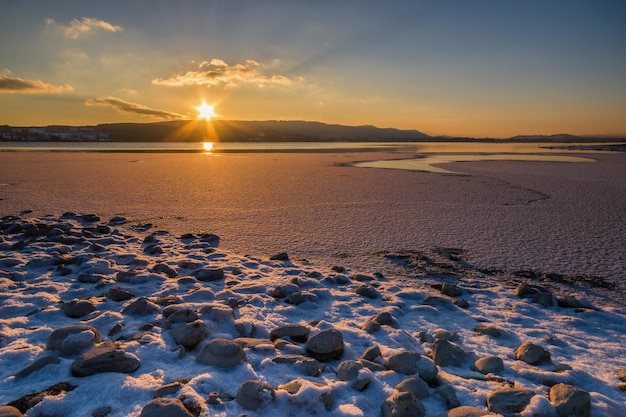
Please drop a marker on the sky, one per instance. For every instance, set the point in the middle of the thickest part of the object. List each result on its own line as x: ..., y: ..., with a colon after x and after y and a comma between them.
x: 481, y: 68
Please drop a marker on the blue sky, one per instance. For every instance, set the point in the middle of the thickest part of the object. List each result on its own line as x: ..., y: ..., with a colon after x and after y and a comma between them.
x: 475, y: 68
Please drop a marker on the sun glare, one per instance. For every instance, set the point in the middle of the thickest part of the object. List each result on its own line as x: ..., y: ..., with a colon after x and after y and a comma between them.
x: 205, y: 111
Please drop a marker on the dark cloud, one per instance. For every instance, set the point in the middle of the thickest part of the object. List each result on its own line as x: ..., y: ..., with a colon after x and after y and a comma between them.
x: 129, y: 107
x: 20, y: 85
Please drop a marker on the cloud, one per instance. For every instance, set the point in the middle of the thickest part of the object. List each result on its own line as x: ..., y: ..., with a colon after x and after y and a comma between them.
x: 217, y: 73
x: 86, y: 25
x: 129, y: 107
x: 21, y: 86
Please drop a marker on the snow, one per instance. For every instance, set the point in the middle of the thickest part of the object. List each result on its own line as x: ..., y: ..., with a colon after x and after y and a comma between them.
x: 586, y: 344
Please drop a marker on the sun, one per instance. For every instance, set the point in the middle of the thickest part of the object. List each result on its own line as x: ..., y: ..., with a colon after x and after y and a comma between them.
x: 205, y: 111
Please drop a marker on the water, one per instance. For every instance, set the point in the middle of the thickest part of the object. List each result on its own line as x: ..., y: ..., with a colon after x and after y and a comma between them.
x: 426, y: 154
x: 226, y: 147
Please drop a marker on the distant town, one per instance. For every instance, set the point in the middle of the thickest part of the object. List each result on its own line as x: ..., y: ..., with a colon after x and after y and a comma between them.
x: 53, y: 134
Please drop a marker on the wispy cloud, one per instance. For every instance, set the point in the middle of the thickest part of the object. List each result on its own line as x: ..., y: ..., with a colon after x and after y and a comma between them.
x: 78, y: 28
x: 129, y: 107
x: 217, y: 73
x: 18, y: 85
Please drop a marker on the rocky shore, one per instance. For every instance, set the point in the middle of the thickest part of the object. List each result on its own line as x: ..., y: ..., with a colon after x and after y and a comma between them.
x: 99, y: 317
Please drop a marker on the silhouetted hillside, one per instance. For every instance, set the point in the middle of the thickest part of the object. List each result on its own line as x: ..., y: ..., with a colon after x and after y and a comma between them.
x: 243, y: 131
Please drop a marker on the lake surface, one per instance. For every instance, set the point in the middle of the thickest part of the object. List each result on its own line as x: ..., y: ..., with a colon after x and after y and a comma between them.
x: 225, y: 147
x: 426, y: 154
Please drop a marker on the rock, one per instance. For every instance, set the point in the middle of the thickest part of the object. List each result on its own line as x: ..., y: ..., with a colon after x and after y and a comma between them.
x: 446, y: 353
x: 367, y: 291
x: 488, y: 330
x: 440, y: 303
x: 546, y: 299
x: 37, y: 365
x: 117, y: 294
x: 282, y: 291
x: 404, y: 362
x: 461, y: 303
x: 218, y: 313
x: 64, y: 339
x: 326, y: 397
x: 209, y: 275
x: 451, y: 290
x: 190, y: 334
x: 78, y: 308
x: 570, y: 401
x: 385, y: 318
x: 349, y: 371
x: 165, y: 407
x: 162, y: 268
x: 184, y: 315
x: 621, y: 374
x: 106, y: 357
x: 488, y: 365
x: 371, y: 326
x: 448, y: 395
x: 570, y: 301
x: 371, y: 353
x: 305, y: 365
x: 29, y: 401
x: 253, y: 394
x: 295, y: 332
x: 9, y: 411
x: 441, y: 334
x: 509, y: 402
x: 325, y: 345
x: 222, y: 353
x: 532, y: 354
x: 89, y: 278
x: 141, y: 306
x: 282, y: 256
x: 465, y: 411
x: 218, y: 398
x: 416, y: 386
x: 169, y: 389
x: 299, y: 297
x: 402, y: 404
x: 427, y: 369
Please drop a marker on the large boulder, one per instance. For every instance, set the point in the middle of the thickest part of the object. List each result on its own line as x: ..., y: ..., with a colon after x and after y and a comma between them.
x: 406, y: 363
x: 325, y: 345
x: 570, y: 401
x: 106, y: 357
x: 489, y: 365
x: 531, y: 353
x: 402, y: 404
x: 416, y: 386
x: 465, y: 411
x: 71, y: 340
x: 165, y: 407
x: 190, y: 334
x: 509, y: 402
x: 9, y: 411
x: 253, y: 395
x: 223, y: 353
x: 447, y: 353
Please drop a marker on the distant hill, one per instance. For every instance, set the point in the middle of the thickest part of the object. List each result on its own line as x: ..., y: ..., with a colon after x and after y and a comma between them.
x: 245, y: 131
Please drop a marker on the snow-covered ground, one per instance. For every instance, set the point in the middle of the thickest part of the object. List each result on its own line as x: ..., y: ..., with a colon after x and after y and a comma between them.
x: 369, y: 252
x: 56, y: 267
